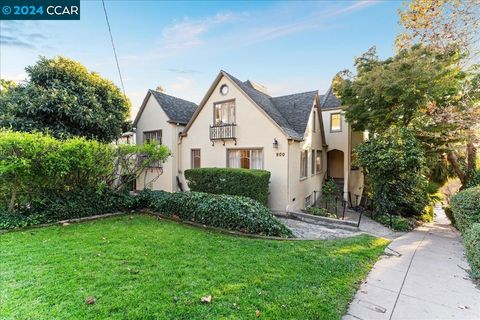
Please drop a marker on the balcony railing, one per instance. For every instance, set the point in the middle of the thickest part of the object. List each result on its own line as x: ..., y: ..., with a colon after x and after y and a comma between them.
x: 223, y: 132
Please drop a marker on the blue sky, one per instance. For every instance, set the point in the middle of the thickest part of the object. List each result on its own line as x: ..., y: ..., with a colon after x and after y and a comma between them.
x: 286, y: 46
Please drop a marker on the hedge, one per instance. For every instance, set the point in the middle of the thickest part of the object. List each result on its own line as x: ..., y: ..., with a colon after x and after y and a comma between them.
x: 466, y: 208
x: 69, y: 205
x: 224, y: 211
x: 472, y: 245
x: 251, y: 183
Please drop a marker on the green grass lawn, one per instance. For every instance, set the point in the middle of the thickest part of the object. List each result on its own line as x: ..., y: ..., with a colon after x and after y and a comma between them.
x: 139, y: 267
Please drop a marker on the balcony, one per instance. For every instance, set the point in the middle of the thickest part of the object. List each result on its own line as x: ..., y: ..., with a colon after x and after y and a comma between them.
x: 223, y: 132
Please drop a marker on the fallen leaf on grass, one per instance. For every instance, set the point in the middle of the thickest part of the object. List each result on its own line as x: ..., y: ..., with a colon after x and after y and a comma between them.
x: 206, y: 299
x: 65, y: 224
x: 257, y: 313
x: 90, y: 300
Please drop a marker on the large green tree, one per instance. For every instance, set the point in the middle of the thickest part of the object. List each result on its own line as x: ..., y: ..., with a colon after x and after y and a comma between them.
x: 63, y: 98
x: 421, y: 89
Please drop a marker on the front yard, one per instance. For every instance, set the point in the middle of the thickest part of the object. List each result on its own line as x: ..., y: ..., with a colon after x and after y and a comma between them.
x: 139, y: 267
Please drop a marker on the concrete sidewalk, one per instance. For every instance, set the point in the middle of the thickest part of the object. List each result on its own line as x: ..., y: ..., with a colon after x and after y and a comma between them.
x: 422, y: 276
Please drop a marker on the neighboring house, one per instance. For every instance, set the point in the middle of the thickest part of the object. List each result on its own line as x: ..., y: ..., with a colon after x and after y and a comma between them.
x: 341, y: 140
x: 238, y: 125
x: 161, y: 118
x: 126, y: 138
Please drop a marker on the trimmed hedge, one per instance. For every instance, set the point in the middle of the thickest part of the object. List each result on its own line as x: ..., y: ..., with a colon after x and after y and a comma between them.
x: 449, y: 214
x: 472, y: 244
x: 251, y: 183
x: 70, y: 205
x: 224, y: 211
x: 466, y: 208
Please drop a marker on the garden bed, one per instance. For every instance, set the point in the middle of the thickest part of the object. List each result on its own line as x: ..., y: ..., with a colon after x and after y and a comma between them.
x: 136, y: 266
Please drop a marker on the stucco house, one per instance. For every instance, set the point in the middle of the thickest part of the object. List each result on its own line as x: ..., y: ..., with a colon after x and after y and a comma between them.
x: 341, y: 141
x: 300, y: 138
x: 162, y: 118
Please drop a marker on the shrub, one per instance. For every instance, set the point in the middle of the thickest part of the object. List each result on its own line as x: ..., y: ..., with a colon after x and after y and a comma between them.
x: 449, y: 214
x: 427, y: 214
x: 394, y: 164
x: 399, y: 223
x: 322, y: 212
x: 466, y: 208
x: 472, y: 246
x: 474, y: 179
x: 68, y: 205
x: 249, y: 183
x: 224, y: 211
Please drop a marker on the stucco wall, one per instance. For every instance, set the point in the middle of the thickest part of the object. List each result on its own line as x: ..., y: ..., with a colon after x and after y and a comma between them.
x: 154, y: 118
x: 299, y: 188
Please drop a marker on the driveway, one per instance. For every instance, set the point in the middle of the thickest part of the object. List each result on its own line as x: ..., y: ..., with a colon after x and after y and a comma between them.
x: 423, y: 275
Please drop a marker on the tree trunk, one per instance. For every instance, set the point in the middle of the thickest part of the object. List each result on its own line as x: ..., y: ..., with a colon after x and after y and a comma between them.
x: 453, y: 159
x: 13, y: 199
x: 471, y: 157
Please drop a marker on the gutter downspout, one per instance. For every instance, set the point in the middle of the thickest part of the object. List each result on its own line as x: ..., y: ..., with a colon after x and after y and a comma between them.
x: 287, y: 208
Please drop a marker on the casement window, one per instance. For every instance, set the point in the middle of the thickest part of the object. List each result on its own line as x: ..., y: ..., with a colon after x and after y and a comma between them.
x: 308, y: 201
x: 224, y: 112
x: 335, y: 122
x: 195, y: 158
x: 314, y: 124
x: 312, y: 163
x: 318, y: 161
x: 303, y: 164
x: 152, y: 136
x: 245, y: 158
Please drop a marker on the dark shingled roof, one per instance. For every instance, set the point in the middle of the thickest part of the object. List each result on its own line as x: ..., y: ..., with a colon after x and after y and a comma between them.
x: 329, y: 100
x: 177, y: 110
x: 290, y: 112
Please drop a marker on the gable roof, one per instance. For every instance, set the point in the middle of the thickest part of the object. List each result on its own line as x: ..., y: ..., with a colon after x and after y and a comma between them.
x: 177, y: 110
x: 329, y: 100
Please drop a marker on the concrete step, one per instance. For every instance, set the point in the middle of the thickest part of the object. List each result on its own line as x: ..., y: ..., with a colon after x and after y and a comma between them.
x: 323, y: 221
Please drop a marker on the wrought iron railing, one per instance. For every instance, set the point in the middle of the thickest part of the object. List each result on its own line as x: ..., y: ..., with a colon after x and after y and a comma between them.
x: 223, y: 132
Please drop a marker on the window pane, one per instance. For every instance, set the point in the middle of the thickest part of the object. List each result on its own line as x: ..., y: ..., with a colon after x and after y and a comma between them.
x: 335, y: 122
x: 312, y: 163
x: 319, y: 161
x: 153, y: 136
x: 195, y: 158
x: 256, y: 159
x: 233, y: 158
x: 224, y: 113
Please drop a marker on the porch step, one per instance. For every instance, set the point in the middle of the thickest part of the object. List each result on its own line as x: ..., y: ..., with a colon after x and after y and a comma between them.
x: 323, y: 221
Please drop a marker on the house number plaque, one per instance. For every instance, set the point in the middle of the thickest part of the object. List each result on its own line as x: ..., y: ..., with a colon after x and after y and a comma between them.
x: 280, y: 154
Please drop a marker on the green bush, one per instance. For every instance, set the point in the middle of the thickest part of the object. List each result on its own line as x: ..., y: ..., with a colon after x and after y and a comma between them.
x: 399, y: 223
x: 466, y: 208
x: 474, y: 179
x: 68, y: 205
x: 322, y: 212
x: 249, y: 183
x: 427, y: 214
x: 472, y: 246
x: 223, y: 211
x: 449, y: 214
x: 394, y: 165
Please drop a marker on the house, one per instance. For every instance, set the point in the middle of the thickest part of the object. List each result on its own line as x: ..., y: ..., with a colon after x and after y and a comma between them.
x: 341, y: 141
x: 300, y: 138
x: 162, y: 118
x: 238, y: 125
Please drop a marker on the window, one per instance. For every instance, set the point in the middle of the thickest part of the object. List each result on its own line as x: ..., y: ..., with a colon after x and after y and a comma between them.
x: 335, y: 122
x: 312, y: 163
x: 195, y: 158
x: 318, y: 161
x: 224, y: 113
x: 308, y: 201
x: 152, y: 136
x: 303, y: 164
x: 245, y: 158
x: 314, y: 125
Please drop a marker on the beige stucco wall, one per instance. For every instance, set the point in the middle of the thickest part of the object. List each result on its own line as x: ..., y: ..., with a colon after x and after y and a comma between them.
x: 299, y: 188
x: 154, y: 118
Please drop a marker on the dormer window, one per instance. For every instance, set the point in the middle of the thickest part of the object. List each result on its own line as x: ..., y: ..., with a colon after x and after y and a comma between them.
x: 224, y: 112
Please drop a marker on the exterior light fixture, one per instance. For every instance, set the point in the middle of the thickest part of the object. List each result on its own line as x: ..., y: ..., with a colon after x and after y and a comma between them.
x: 275, y: 143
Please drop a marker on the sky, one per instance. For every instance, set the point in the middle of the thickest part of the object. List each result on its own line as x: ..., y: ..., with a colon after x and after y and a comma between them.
x: 287, y: 47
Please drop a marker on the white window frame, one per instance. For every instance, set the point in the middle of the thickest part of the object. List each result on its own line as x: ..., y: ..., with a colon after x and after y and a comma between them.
x: 318, y: 156
x: 230, y: 112
x: 339, y: 114
x: 250, y: 157
x: 193, y: 156
x: 303, y: 164
x: 156, y: 133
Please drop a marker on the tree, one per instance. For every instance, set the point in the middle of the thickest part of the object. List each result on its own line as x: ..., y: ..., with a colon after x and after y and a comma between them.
x: 63, y: 98
x: 421, y: 89
x: 394, y: 163
x: 441, y: 24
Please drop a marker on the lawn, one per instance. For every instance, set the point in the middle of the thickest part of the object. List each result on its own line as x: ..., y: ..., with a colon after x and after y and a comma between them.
x: 139, y: 267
